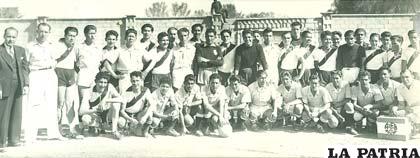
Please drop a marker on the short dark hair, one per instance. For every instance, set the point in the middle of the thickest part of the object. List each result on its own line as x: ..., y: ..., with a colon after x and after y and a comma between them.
x: 161, y: 35
x: 399, y: 38
x: 102, y: 75
x: 172, y: 28
x: 348, y: 33
x: 165, y: 80
x: 360, y: 30
x: 285, y: 74
x: 210, y: 31
x: 70, y: 29
x: 411, y: 32
x: 147, y: 25
x: 256, y: 31
x: 305, y: 33
x: 386, y: 34
x: 260, y: 73
x: 363, y: 74
x: 314, y: 77
x: 385, y: 68
x: 215, y: 76
x: 136, y: 74
x: 325, y: 34
x: 111, y: 32
x: 246, y: 31
x: 44, y: 24
x: 337, y: 33
x: 296, y: 23
x: 189, y: 77
x: 183, y: 30
x: 374, y: 35
x: 128, y: 31
x: 88, y: 28
x: 267, y: 30
x: 234, y: 78
x: 197, y: 25
x: 226, y: 31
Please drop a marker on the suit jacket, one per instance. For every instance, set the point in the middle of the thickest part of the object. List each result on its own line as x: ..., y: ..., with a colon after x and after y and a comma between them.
x: 6, y: 69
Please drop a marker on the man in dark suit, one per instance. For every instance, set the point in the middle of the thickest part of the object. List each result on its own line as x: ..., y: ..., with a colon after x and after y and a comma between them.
x: 13, y: 84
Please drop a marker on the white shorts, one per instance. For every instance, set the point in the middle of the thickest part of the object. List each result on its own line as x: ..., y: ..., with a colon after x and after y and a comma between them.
x: 86, y: 77
x: 179, y: 75
x: 350, y: 73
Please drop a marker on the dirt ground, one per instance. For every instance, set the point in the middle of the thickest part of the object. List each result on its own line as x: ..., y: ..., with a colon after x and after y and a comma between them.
x: 277, y: 143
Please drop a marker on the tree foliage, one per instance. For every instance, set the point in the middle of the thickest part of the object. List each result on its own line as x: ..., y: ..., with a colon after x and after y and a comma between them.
x: 180, y: 10
x: 232, y: 12
x: 158, y: 9
x: 9, y: 12
x: 201, y: 12
x: 375, y: 6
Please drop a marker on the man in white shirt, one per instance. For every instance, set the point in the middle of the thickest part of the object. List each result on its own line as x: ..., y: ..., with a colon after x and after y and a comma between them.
x: 183, y: 58
x: 146, y: 42
x: 228, y: 51
x: 42, y: 96
x: 325, y: 58
x: 272, y: 56
x: 375, y: 54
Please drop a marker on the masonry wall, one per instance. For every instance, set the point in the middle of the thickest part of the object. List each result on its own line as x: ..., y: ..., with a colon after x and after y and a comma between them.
x: 398, y: 24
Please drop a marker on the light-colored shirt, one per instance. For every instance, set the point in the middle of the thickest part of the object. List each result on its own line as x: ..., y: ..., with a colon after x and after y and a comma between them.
x: 373, y: 95
x: 111, y: 55
x: 41, y: 55
x: 94, y: 95
x: 160, y: 102
x: 390, y: 93
x: 309, y: 60
x: 68, y: 62
x: 236, y: 98
x: 330, y: 64
x: 406, y: 55
x: 340, y: 93
x: 396, y: 67
x: 291, y: 59
x: 377, y: 61
x: 317, y: 100
x: 272, y: 56
x: 183, y: 97
x: 409, y: 95
x: 183, y: 56
x: 89, y: 57
x: 129, y: 95
x: 262, y: 96
x: 295, y: 92
x: 130, y: 59
x: 214, y: 98
x: 228, y: 59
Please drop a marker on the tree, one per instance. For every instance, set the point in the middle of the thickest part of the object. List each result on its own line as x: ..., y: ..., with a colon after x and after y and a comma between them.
x: 201, y: 12
x: 180, y: 9
x: 10, y: 12
x: 158, y: 9
x: 232, y: 12
x: 261, y: 15
x: 375, y: 6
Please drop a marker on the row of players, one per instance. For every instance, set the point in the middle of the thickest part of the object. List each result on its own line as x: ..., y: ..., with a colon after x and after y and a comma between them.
x: 259, y: 106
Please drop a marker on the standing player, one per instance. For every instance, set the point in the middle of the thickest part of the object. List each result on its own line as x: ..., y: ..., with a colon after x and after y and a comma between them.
x: 208, y: 57
x: 350, y: 58
x: 272, y: 54
x: 374, y: 55
x: 325, y: 58
x: 228, y: 50
x: 183, y: 58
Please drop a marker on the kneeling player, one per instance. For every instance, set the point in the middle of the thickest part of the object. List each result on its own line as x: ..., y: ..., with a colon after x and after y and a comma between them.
x: 317, y: 100
x: 239, y: 99
x: 191, y: 100
x: 264, y: 104
x: 164, y: 107
x: 99, y: 105
x: 215, y: 112
x: 135, y: 111
x: 292, y: 106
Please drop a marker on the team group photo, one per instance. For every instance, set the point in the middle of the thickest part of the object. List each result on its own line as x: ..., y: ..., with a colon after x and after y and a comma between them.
x: 212, y: 79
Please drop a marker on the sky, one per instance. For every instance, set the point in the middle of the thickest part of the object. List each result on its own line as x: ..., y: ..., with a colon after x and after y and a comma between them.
x: 120, y: 8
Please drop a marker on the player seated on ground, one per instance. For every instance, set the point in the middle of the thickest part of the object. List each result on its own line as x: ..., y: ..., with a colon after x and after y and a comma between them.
x: 366, y: 103
x: 264, y: 104
x: 191, y: 101
x: 135, y: 111
x: 165, y: 108
x: 100, y: 106
x: 317, y: 103
x: 238, y: 103
x: 408, y: 100
x: 292, y: 106
x: 215, y: 115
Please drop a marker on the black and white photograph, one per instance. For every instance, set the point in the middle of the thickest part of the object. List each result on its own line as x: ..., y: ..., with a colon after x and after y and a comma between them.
x: 209, y: 78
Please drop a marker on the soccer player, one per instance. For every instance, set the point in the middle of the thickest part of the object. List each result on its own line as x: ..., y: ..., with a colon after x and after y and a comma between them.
x: 183, y: 58
x: 290, y: 58
x: 196, y: 30
x: 238, y: 103
x: 338, y: 90
x: 165, y: 107
x: 360, y: 34
x: 135, y: 111
x: 110, y: 54
x: 247, y: 55
x: 374, y: 55
x: 388, y: 89
x: 208, y: 58
x: 306, y: 50
x: 292, y: 107
x: 264, y: 103
x: 100, y: 106
x: 336, y: 38
x: 393, y: 58
x: 272, y: 55
x: 146, y: 42
x: 325, y: 58
x: 173, y: 42
x: 317, y: 106
x: 350, y: 58
x: 228, y: 50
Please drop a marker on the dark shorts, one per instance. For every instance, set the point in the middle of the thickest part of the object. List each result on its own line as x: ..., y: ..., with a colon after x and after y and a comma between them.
x: 66, y: 77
